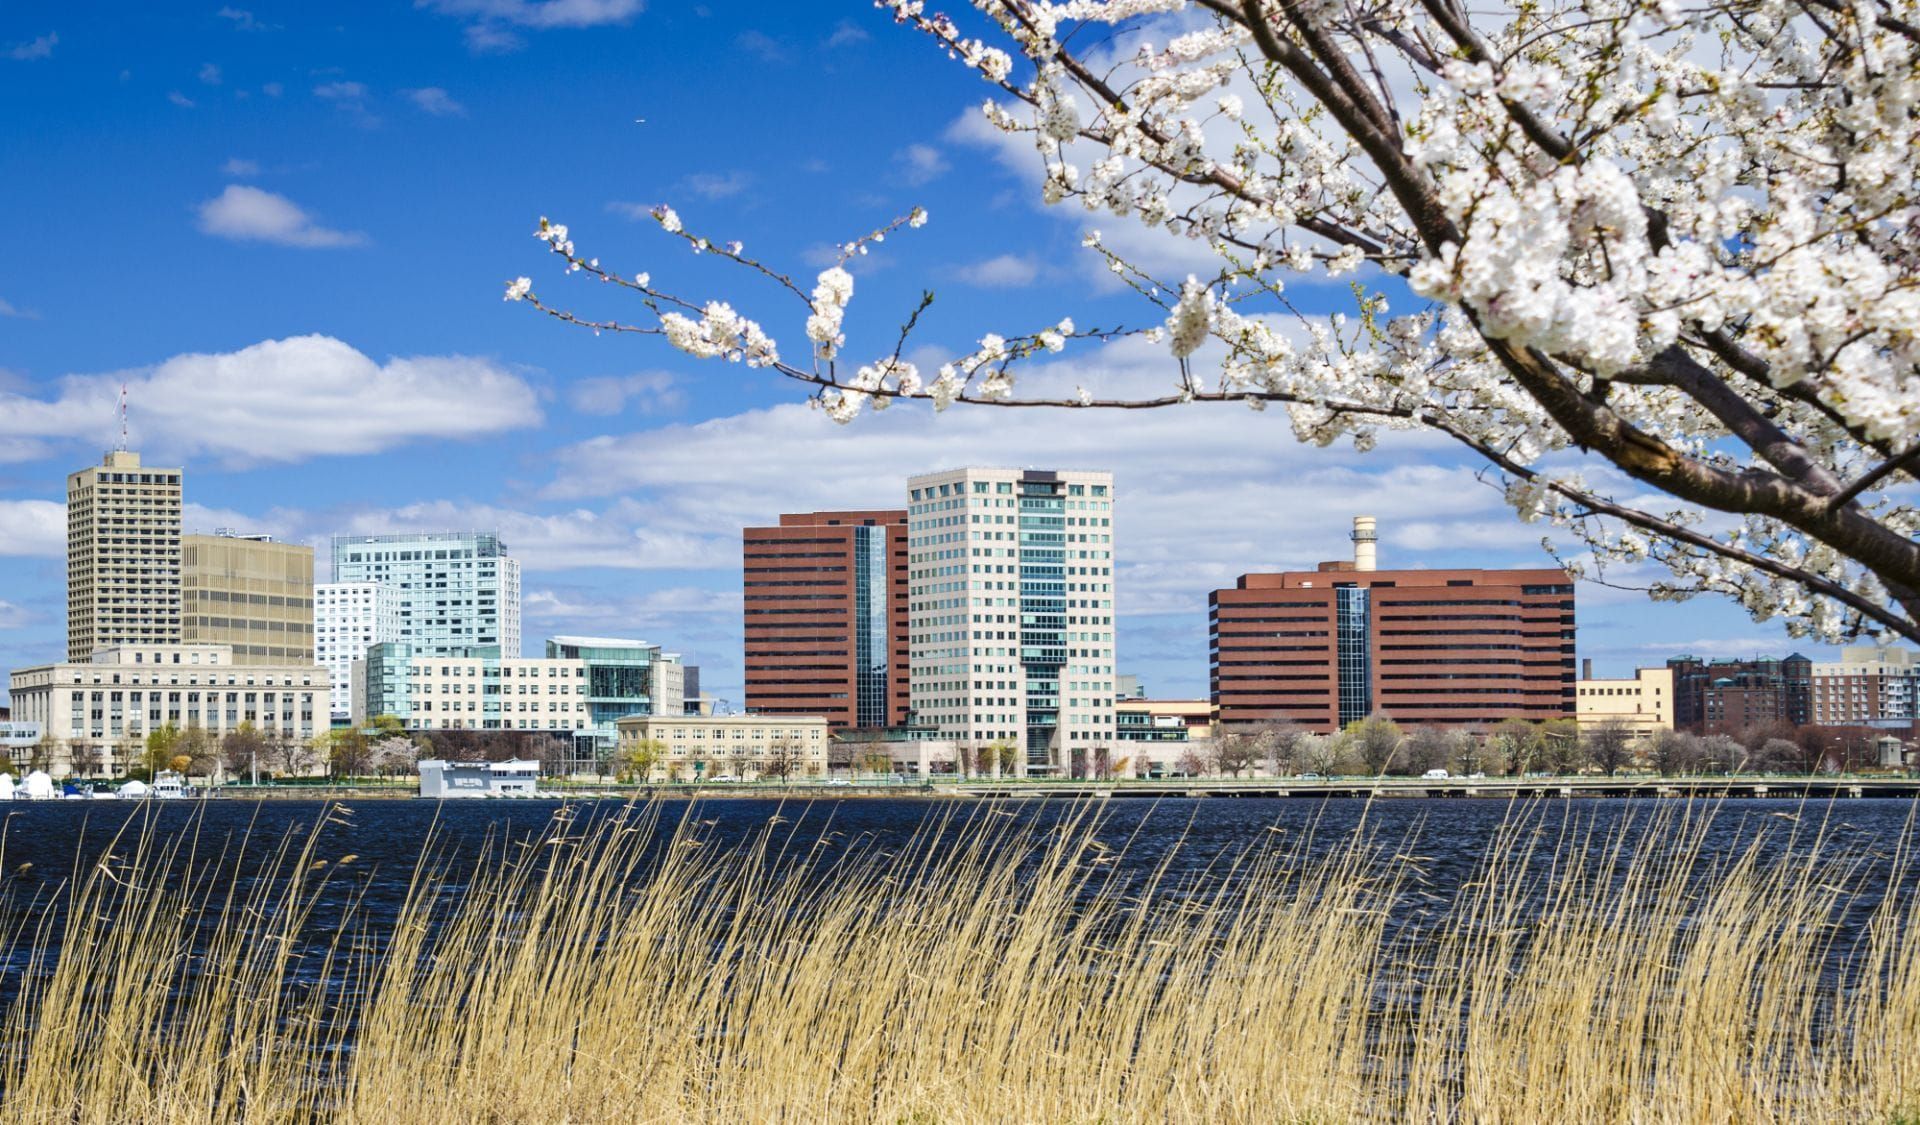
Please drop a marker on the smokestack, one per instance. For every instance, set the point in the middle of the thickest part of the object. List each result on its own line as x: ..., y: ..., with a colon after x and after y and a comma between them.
x: 1363, y: 543
x: 1586, y: 668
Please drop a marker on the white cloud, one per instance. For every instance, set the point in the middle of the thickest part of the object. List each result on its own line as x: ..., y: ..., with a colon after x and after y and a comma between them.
x: 33, y: 529
x: 273, y: 89
x: 647, y: 391
x: 571, y: 604
x: 239, y: 166
x: 248, y: 214
x: 179, y: 99
x: 919, y: 164
x: 492, y: 39
x: 350, y: 99
x: 282, y: 401
x: 35, y: 49
x: 762, y: 46
x: 9, y: 309
x: 1007, y: 271
x: 624, y: 535
x: 715, y: 185
x: 846, y: 33
x: 243, y: 20
x: 435, y: 101
x: 210, y: 74
x: 541, y: 14
x: 630, y: 210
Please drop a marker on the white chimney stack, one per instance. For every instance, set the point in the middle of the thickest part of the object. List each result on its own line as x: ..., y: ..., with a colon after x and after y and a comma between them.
x: 1363, y: 543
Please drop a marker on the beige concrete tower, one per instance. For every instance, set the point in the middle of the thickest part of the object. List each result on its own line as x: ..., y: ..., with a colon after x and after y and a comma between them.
x: 123, y: 556
x: 249, y: 592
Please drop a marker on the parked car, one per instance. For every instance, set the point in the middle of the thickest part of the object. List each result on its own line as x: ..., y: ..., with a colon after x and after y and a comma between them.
x: 837, y: 781
x: 723, y: 777
x: 1435, y: 775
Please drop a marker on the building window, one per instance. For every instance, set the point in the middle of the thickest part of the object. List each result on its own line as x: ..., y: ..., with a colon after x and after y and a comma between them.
x: 1353, y: 633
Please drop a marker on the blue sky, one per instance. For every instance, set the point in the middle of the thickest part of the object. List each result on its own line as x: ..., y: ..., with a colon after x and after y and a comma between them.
x: 287, y: 227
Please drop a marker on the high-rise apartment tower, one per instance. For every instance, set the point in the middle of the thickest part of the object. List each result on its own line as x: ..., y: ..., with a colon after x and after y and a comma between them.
x: 348, y: 619
x: 123, y: 556
x: 456, y: 590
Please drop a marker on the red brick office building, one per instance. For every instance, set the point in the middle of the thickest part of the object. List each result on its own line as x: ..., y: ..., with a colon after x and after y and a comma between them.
x: 1326, y: 647
x: 826, y: 617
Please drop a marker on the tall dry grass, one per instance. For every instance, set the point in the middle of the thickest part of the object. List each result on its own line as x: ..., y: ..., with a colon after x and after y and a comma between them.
x: 624, y: 966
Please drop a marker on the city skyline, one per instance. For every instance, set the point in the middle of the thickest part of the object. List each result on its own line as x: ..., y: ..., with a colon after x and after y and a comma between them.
x: 728, y: 657
x: 345, y: 366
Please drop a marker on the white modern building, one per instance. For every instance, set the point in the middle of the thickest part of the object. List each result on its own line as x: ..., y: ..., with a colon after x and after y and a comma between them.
x: 456, y: 590
x: 1010, y: 611
x: 348, y: 619
x: 97, y: 713
x: 476, y: 689
x: 624, y: 678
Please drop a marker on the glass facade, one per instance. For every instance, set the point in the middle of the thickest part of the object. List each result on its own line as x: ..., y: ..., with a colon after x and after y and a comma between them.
x: 1043, y: 612
x: 623, y: 678
x: 1353, y: 633
x: 870, y: 636
x: 387, y: 682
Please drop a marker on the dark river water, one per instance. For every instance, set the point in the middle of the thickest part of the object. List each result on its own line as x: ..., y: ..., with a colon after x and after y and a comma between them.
x: 1193, y: 841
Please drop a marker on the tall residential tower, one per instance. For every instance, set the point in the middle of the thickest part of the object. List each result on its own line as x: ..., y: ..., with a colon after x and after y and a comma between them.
x: 1010, y: 592
x: 348, y: 619
x: 123, y: 556
x: 456, y: 590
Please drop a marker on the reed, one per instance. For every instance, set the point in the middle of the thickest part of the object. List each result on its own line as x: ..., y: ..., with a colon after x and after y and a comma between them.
x: 622, y: 965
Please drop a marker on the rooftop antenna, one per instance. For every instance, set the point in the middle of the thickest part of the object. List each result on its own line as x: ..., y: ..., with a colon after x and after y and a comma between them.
x: 122, y: 447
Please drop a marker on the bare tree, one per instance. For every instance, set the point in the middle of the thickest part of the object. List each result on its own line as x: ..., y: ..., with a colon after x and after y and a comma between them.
x: 1428, y: 748
x: 84, y: 756
x: 1376, y: 741
x: 1676, y: 753
x: 1724, y: 754
x: 1608, y: 744
x: 783, y: 759
x: 1236, y: 753
x: 1471, y: 754
x: 1318, y: 754
x: 1778, y: 755
x: 1279, y: 741
x: 242, y: 747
